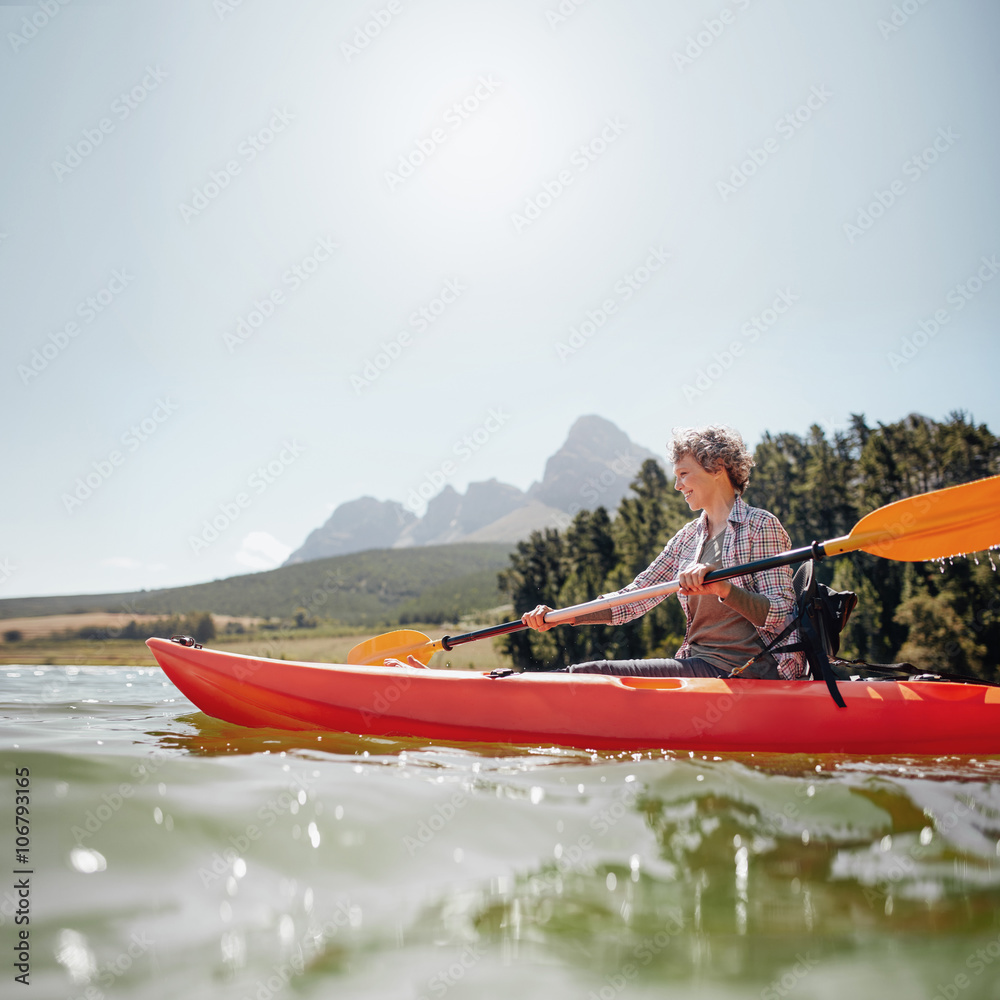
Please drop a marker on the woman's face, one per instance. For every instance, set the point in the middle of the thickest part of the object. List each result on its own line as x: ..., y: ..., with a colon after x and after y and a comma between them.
x: 698, y: 486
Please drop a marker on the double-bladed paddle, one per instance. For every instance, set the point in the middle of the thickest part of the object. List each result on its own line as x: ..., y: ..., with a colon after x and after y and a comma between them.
x: 936, y: 525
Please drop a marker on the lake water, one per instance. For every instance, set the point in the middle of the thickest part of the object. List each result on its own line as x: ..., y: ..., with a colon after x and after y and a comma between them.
x: 174, y: 856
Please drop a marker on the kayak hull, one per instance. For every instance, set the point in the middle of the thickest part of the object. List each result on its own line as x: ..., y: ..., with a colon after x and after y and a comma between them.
x: 587, y: 710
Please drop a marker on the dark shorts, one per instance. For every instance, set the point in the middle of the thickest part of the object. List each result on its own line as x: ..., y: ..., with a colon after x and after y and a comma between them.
x: 688, y: 666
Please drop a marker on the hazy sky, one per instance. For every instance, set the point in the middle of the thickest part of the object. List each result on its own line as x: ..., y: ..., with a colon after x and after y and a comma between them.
x: 260, y: 258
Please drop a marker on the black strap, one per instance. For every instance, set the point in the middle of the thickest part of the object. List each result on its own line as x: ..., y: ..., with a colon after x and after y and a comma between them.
x: 815, y: 641
x: 770, y: 647
x: 909, y: 670
x: 809, y: 622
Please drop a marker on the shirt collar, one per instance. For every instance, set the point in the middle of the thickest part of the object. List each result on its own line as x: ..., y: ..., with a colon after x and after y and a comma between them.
x: 740, y: 511
x: 739, y: 514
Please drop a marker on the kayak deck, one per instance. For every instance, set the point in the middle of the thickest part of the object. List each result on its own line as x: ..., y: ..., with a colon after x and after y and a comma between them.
x: 587, y: 710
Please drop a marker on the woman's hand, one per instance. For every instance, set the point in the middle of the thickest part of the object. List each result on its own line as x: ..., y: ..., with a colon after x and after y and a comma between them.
x: 535, y: 619
x: 691, y: 581
x: 411, y: 661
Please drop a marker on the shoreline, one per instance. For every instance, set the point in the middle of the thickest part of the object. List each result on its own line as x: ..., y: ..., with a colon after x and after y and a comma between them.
x: 278, y: 645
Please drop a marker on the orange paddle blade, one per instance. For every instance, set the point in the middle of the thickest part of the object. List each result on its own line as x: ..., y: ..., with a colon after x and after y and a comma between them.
x: 949, y: 522
x: 399, y: 644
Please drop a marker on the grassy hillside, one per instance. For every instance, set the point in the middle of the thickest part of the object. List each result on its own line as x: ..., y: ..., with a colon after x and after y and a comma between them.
x: 362, y: 588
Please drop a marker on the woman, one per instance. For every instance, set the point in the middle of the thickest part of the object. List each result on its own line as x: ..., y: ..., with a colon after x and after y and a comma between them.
x: 728, y: 621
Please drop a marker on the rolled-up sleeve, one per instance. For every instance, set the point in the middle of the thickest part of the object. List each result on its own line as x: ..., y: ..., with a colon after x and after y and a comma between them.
x: 769, y: 538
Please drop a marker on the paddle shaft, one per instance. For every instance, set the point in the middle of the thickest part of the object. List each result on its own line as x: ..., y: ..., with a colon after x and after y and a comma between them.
x: 564, y: 615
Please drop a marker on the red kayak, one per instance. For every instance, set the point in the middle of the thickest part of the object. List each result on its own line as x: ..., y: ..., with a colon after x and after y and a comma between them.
x: 587, y: 710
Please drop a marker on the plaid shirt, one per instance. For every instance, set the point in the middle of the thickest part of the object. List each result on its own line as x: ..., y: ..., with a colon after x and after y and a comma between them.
x: 751, y: 533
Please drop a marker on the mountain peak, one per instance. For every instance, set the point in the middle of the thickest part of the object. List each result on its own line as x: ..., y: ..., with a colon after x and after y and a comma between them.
x: 594, y: 467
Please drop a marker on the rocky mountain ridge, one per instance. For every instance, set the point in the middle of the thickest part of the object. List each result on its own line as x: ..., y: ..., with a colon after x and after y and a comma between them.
x: 594, y: 467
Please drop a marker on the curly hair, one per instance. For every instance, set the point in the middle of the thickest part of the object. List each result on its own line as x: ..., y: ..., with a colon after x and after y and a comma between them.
x: 714, y: 447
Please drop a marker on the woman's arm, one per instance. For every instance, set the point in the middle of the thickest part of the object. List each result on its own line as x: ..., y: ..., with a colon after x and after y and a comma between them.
x: 677, y: 552
x: 769, y: 538
x: 753, y: 606
x: 664, y: 567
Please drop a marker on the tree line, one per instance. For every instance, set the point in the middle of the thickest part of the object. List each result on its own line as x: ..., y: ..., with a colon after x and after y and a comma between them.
x: 196, y: 623
x: 937, y: 616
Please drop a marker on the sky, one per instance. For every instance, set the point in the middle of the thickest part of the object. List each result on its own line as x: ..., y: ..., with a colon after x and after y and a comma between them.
x: 258, y: 259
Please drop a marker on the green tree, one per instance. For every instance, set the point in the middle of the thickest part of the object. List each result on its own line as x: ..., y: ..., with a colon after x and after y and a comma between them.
x: 202, y: 627
x: 536, y: 576
x: 937, y: 637
x: 862, y: 637
x: 589, y: 556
